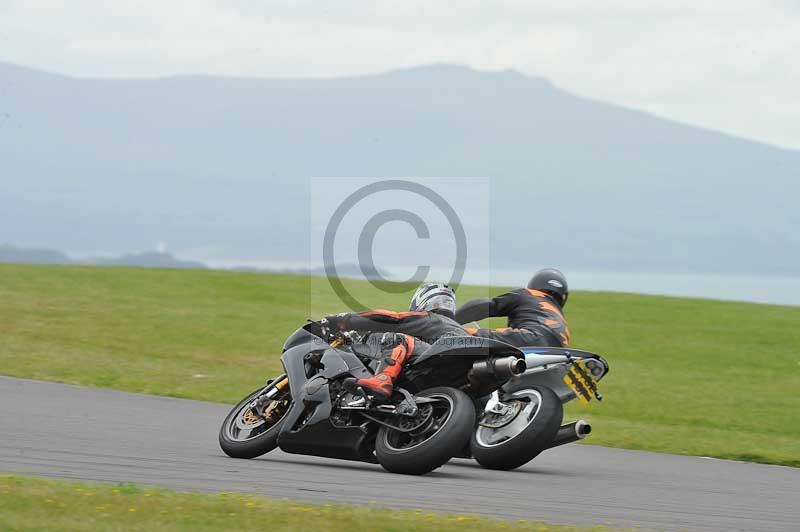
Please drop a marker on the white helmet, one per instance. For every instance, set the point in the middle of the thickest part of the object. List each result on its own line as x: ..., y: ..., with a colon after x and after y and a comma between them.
x: 434, y: 297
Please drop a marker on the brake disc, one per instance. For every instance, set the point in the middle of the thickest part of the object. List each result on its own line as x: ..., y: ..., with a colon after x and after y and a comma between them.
x: 248, y: 420
x: 492, y: 420
x: 420, y: 422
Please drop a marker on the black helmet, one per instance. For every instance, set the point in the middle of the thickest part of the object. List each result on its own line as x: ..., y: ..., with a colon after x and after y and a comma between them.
x: 553, y: 282
x: 434, y: 297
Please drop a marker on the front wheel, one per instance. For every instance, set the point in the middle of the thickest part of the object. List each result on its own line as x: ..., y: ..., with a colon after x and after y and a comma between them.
x: 441, y: 428
x: 523, y: 425
x: 244, y: 434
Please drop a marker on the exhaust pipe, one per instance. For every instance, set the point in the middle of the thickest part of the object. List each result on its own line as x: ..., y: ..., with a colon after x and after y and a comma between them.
x: 571, y: 432
x: 497, y: 369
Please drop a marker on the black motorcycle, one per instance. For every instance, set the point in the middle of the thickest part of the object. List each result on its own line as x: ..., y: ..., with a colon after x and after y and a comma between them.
x: 315, y: 409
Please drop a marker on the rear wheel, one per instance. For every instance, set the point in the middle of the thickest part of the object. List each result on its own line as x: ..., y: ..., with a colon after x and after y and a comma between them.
x: 245, y: 434
x: 440, y: 429
x: 525, y: 424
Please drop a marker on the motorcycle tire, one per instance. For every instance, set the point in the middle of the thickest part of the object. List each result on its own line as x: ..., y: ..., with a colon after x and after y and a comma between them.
x: 262, y: 442
x: 443, y: 435
x: 521, y: 440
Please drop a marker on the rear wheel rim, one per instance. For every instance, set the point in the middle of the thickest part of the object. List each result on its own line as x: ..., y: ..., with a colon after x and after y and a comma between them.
x: 442, y: 412
x: 492, y: 437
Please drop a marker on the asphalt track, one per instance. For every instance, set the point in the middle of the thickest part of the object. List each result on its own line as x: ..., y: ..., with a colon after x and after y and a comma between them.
x: 71, y: 432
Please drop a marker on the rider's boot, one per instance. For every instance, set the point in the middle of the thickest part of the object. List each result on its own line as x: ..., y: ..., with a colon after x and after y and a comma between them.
x: 382, y: 383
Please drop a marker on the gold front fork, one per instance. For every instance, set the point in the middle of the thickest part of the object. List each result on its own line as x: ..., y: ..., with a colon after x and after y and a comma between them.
x: 282, y: 384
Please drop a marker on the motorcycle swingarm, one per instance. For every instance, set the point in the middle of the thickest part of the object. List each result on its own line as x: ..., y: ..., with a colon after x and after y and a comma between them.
x: 408, y: 407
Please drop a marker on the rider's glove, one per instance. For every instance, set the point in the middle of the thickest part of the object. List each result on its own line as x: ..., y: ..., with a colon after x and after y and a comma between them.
x: 351, y: 337
x: 325, y: 329
x: 330, y: 329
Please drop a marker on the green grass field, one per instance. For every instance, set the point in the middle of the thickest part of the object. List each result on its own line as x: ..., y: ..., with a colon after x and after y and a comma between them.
x: 38, y: 504
x: 687, y: 376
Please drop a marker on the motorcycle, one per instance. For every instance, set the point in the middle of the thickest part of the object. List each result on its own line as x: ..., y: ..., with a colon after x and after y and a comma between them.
x: 315, y: 409
x: 461, y: 396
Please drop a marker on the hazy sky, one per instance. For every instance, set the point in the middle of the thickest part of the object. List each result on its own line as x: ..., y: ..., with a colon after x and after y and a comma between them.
x: 731, y: 65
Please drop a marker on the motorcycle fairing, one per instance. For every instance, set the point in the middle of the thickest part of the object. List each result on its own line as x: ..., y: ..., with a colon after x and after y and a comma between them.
x: 565, y: 351
x: 556, y: 359
x: 307, y: 428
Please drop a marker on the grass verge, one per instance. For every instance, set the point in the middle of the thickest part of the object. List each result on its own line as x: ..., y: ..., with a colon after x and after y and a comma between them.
x: 28, y: 503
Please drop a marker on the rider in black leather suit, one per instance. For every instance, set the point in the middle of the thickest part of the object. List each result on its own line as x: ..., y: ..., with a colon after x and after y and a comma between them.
x: 535, y: 314
x: 430, y: 317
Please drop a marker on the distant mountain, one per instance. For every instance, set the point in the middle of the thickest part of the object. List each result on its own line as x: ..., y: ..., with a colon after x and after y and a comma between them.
x: 9, y: 253
x: 146, y: 259
x: 159, y: 259
x: 220, y: 166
